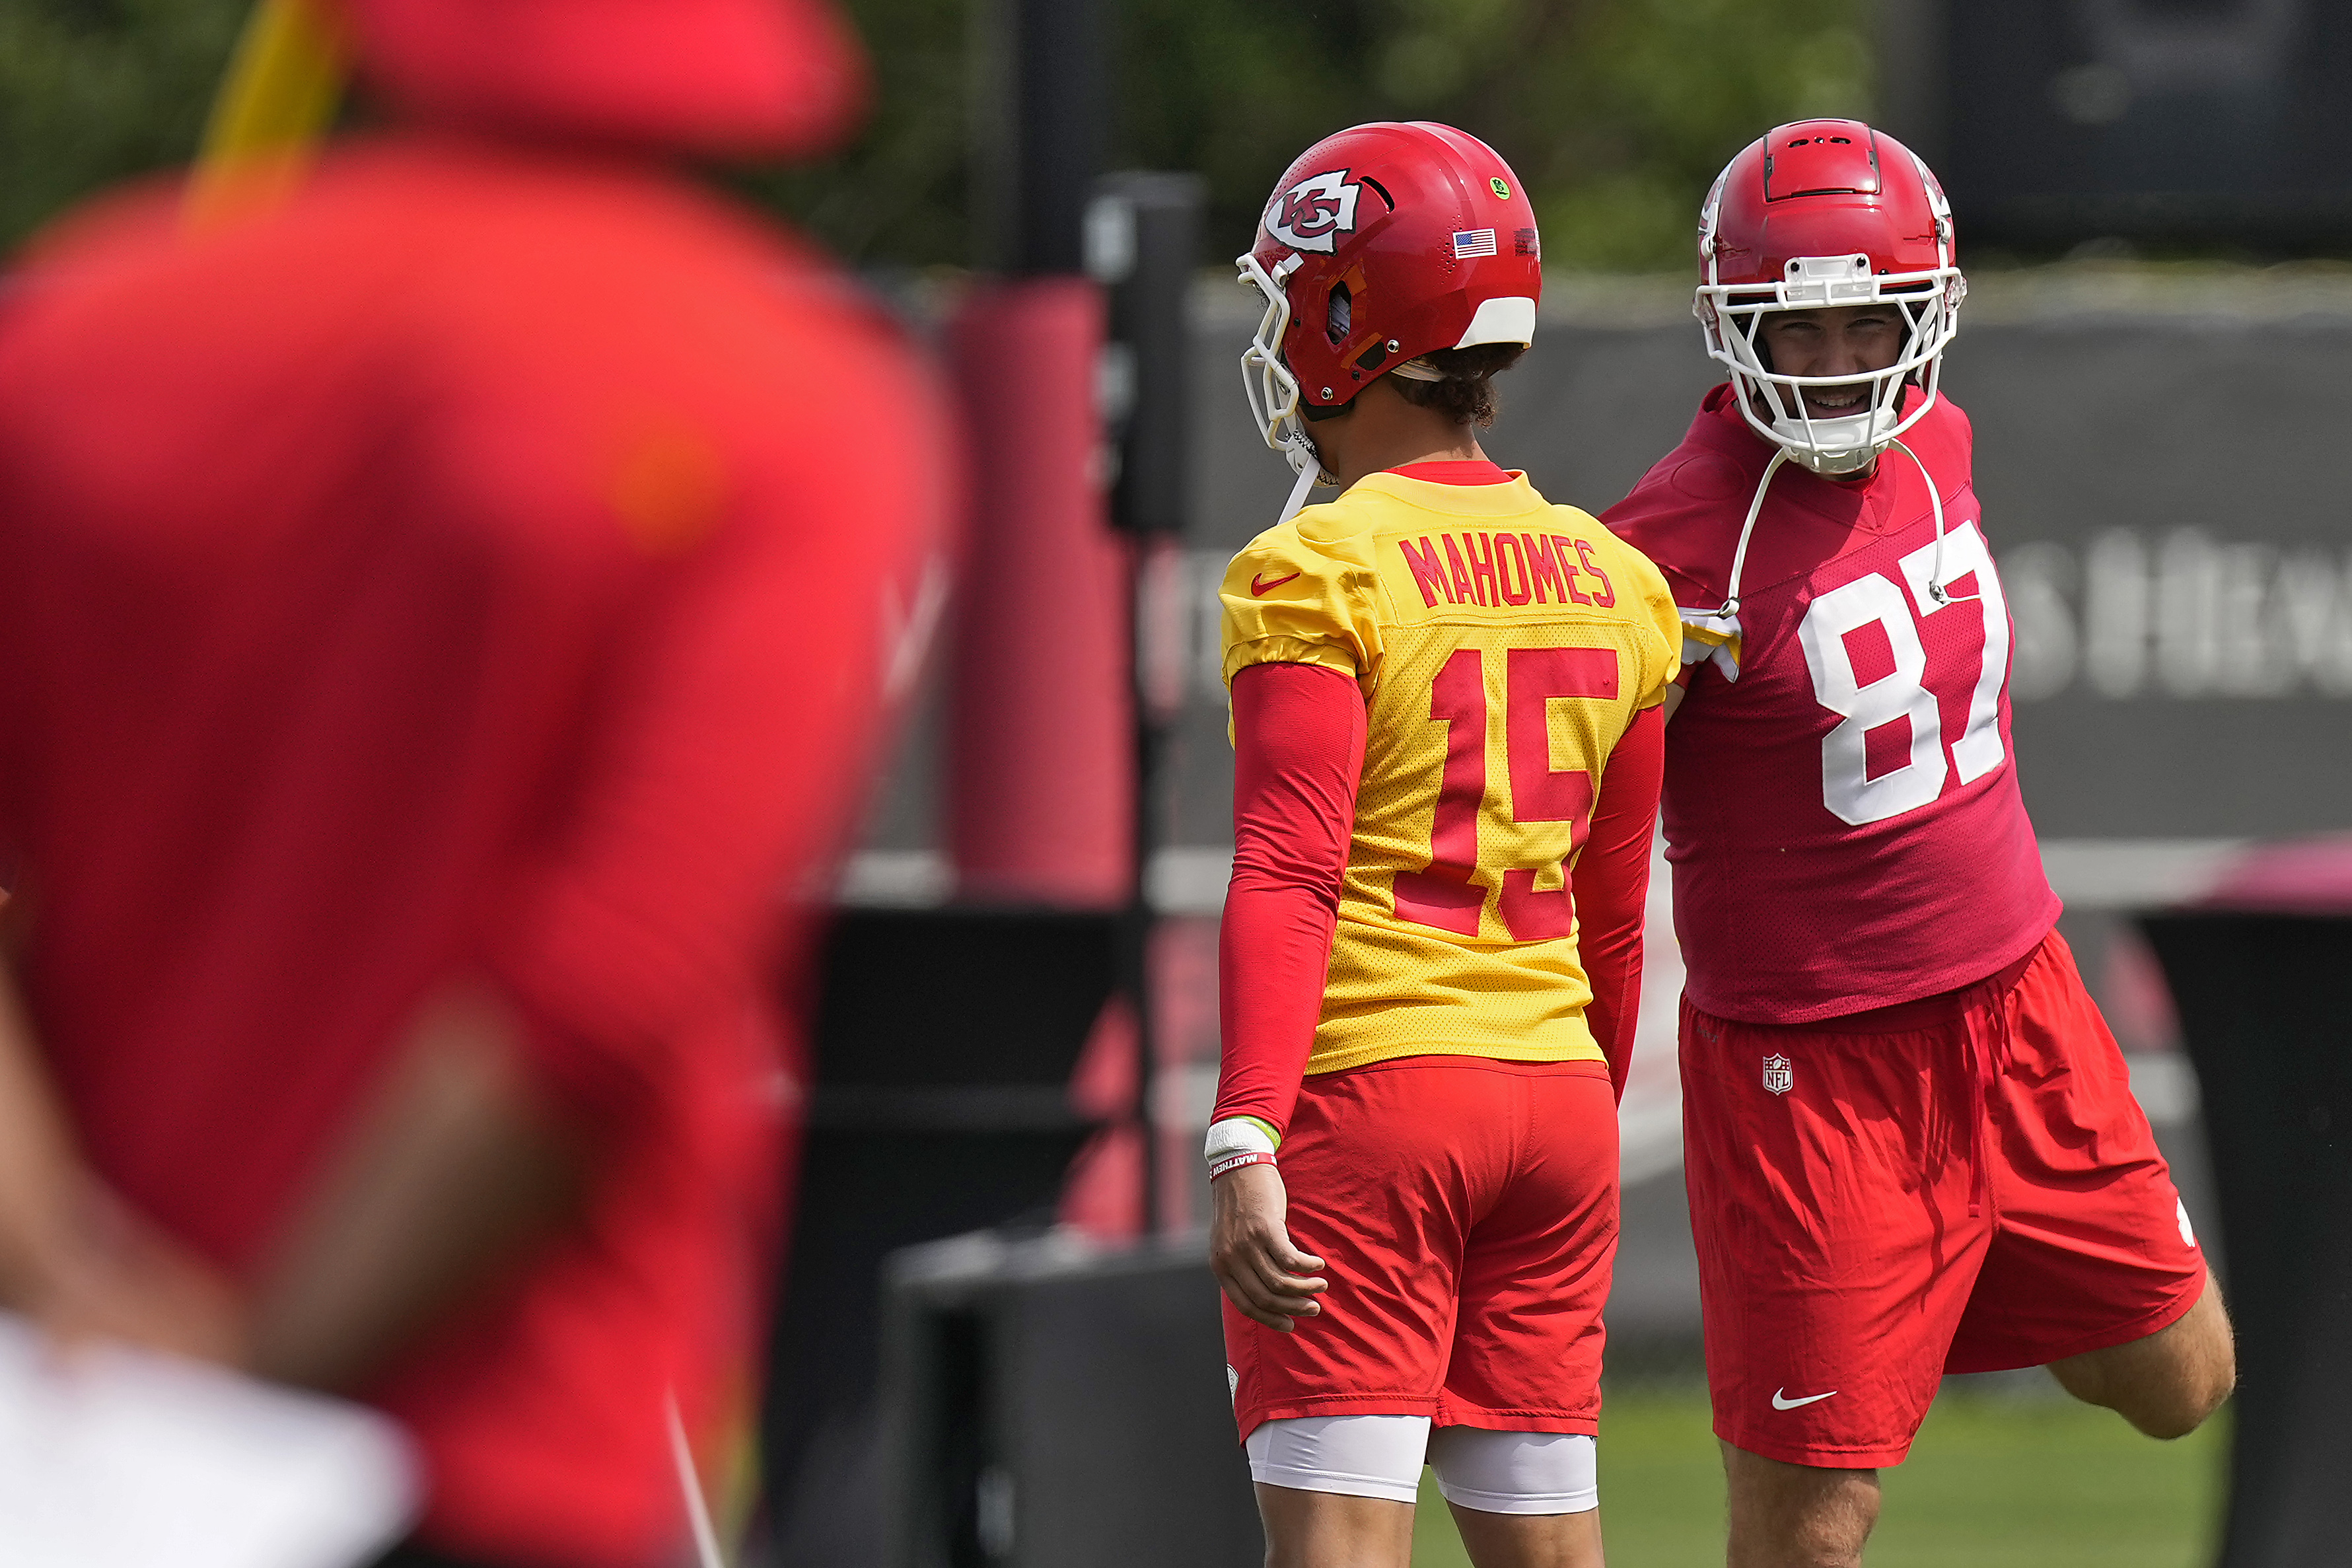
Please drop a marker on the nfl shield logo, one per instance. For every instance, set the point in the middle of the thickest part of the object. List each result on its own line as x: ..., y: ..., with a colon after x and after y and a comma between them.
x: 1776, y: 1077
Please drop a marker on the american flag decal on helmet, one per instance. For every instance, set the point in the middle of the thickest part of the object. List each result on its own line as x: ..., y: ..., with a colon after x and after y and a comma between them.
x: 1469, y: 242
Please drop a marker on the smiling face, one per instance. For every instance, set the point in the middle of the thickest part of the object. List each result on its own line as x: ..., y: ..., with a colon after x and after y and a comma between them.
x: 1848, y: 339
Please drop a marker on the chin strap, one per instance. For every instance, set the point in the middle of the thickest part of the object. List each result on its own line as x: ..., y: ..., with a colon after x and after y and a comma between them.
x: 1307, y: 478
x: 1739, y: 553
x: 1936, y: 590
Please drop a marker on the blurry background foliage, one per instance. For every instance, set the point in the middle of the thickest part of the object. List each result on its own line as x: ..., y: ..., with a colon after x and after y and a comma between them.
x: 92, y: 91
x: 1616, y: 113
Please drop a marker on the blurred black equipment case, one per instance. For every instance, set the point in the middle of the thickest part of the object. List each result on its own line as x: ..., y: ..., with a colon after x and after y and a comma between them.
x: 944, y: 1044
x: 1049, y: 1406
x: 2262, y: 1000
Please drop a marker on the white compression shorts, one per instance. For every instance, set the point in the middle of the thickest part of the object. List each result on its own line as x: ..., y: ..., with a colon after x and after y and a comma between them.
x: 1381, y: 1456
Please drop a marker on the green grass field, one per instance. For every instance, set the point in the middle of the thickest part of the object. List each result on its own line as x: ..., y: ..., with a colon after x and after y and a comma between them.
x: 2017, y: 1481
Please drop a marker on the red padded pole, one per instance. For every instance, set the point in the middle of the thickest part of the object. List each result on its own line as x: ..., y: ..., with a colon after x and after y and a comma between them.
x: 1041, y: 729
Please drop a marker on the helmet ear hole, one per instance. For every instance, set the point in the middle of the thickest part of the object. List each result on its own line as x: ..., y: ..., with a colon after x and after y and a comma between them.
x: 1340, y: 319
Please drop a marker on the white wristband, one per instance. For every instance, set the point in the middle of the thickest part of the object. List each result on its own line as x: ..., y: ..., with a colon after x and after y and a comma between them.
x: 1236, y: 1135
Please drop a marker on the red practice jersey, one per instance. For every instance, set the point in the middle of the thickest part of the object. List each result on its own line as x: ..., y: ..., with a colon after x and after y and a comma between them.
x: 1841, y: 806
x: 485, y: 568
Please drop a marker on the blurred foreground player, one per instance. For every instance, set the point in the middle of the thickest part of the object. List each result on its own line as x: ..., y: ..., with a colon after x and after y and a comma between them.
x: 447, y: 617
x: 1912, y: 1143
x: 1445, y: 711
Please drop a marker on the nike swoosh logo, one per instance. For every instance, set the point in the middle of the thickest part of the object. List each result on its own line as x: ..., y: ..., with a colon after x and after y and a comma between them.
x: 1258, y: 585
x: 1779, y: 1403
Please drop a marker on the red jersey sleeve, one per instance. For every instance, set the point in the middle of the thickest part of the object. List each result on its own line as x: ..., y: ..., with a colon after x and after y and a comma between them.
x: 1613, y: 885
x: 1298, y: 752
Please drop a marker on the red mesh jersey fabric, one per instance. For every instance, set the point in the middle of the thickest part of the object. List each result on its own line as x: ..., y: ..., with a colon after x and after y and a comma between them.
x: 1820, y: 866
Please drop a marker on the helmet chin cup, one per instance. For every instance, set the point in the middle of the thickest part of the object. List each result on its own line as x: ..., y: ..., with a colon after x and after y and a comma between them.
x: 1835, y: 447
x: 1267, y: 382
x: 1837, y: 464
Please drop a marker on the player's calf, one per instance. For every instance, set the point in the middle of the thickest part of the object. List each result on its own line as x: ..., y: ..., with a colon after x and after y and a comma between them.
x: 2167, y: 1382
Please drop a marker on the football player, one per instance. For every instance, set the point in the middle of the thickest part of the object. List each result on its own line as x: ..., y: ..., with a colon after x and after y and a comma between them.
x: 412, y: 575
x: 1445, y: 701
x: 1912, y: 1143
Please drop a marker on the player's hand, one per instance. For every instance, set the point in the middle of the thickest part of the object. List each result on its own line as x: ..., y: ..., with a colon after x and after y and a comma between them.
x: 74, y: 1258
x: 104, y: 1274
x: 1261, y: 1273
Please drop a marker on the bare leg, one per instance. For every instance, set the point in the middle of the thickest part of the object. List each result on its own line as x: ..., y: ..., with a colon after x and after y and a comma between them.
x: 1529, y: 1539
x: 1796, y: 1516
x: 2168, y: 1382
x: 1327, y: 1530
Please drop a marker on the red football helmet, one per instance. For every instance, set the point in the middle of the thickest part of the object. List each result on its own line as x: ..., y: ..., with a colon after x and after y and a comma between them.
x: 1380, y: 244
x: 1825, y: 213
x: 726, y: 77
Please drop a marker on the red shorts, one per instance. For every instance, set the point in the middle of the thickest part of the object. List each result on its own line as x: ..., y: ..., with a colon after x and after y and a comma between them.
x: 1465, y: 1211
x: 1963, y: 1184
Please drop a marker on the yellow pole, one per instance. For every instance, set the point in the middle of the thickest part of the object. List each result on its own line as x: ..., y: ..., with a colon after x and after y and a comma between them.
x: 280, y: 93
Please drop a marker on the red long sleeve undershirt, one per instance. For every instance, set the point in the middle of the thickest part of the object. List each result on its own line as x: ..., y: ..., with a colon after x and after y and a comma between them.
x: 1298, y: 750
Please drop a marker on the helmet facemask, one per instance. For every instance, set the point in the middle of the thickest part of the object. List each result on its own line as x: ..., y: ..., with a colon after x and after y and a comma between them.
x: 1733, y: 316
x: 1266, y: 380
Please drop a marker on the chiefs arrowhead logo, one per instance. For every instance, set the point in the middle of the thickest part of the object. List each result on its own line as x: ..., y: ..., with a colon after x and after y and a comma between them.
x: 1314, y: 213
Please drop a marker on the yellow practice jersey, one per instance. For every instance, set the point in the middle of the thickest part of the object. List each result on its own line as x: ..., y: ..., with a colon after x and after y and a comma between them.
x: 1502, y: 645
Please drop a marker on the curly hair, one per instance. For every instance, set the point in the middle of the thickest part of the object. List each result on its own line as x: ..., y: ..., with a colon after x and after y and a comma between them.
x: 1466, y: 395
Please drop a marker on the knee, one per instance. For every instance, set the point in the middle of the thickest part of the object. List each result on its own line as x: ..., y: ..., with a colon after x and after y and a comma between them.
x: 2178, y: 1411
x: 2168, y: 1383
x: 2174, y: 1414
x: 2176, y: 1406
